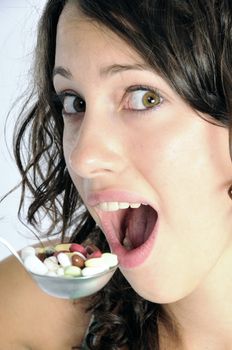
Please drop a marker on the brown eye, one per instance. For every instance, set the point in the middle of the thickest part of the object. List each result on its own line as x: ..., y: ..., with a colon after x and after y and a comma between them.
x: 142, y: 99
x: 73, y: 104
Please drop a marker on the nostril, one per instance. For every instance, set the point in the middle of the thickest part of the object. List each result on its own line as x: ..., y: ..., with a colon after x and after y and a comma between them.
x: 89, y: 165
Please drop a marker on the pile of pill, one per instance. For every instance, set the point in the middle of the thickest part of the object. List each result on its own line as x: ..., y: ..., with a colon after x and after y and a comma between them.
x: 67, y: 260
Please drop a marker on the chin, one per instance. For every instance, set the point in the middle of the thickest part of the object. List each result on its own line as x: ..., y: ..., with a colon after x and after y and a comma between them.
x: 156, y: 290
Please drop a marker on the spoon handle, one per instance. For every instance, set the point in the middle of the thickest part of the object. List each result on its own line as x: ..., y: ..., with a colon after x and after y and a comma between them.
x: 11, y: 249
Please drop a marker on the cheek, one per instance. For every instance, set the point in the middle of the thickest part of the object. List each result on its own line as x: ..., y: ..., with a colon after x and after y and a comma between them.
x: 195, y: 153
x: 190, y: 172
x: 69, y: 145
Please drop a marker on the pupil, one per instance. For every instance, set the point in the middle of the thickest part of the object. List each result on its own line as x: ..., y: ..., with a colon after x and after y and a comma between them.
x: 151, y: 100
x: 79, y: 105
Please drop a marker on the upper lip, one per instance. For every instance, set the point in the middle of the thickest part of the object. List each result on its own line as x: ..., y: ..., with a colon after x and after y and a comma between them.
x: 94, y: 198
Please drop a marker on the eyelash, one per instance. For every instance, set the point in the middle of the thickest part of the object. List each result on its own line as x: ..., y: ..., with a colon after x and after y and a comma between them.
x: 60, y: 100
x: 145, y: 90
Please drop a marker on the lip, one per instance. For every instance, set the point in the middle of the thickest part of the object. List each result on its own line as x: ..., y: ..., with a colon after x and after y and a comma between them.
x: 95, y: 198
x: 128, y: 259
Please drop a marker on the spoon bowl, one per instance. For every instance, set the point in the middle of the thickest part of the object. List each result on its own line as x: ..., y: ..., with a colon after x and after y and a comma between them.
x: 73, y: 287
x: 66, y: 287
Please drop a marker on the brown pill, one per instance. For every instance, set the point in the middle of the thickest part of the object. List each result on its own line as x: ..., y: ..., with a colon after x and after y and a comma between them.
x: 42, y: 256
x: 78, y: 261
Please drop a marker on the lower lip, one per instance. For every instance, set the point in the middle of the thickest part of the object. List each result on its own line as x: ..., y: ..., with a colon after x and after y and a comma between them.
x: 129, y: 259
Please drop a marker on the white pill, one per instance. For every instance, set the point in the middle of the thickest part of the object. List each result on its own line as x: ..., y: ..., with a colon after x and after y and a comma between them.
x: 33, y: 264
x: 110, y: 259
x: 27, y: 251
x: 60, y: 271
x: 53, y: 258
x: 51, y: 263
x: 91, y: 271
x: 94, y: 262
x: 51, y: 273
x: 73, y: 271
x: 64, y: 259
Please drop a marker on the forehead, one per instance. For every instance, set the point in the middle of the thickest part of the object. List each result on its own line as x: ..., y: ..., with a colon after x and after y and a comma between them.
x: 80, y: 37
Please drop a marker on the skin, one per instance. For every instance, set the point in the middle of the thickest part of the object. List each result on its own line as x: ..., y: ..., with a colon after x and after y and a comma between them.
x: 31, y: 319
x: 170, y: 155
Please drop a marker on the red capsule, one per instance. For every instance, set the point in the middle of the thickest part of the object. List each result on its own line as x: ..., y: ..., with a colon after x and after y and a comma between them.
x: 75, y: 247
x: 93, y: 251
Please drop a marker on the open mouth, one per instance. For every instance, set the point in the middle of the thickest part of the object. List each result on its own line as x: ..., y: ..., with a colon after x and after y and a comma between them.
x: 136, y: 226
x: 130, y: 227
x: 130, y: 224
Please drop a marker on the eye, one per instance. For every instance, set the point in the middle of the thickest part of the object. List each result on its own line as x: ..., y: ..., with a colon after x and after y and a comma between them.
x: 72, y: 103
x: 142, y: 98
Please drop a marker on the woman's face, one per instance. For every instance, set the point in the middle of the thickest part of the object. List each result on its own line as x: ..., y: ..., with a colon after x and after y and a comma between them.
x: 130, y: 139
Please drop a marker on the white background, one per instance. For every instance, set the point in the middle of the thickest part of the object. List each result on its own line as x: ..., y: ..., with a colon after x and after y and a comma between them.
x: 18, y: 26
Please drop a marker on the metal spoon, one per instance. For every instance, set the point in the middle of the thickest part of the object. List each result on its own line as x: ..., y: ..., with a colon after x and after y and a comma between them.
x: 66, y: 288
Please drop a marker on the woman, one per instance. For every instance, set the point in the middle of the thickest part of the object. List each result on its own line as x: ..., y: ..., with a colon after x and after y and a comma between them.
x: 131, y: 128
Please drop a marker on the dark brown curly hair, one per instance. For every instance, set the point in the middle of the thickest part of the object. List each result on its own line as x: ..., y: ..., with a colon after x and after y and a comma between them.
x: 189, y: 43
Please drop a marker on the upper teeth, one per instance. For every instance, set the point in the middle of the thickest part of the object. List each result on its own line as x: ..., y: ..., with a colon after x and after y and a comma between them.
x: 114, y: 206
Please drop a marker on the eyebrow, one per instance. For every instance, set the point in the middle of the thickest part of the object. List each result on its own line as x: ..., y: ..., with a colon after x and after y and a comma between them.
x: 62, y: 71
x: 118, y: 68
x: 109, y: 70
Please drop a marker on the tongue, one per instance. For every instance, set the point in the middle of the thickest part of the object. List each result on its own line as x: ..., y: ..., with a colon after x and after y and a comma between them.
x: 139, y: 224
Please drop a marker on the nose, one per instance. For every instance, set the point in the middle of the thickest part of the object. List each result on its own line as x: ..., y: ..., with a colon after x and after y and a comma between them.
x: 96, y: 149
